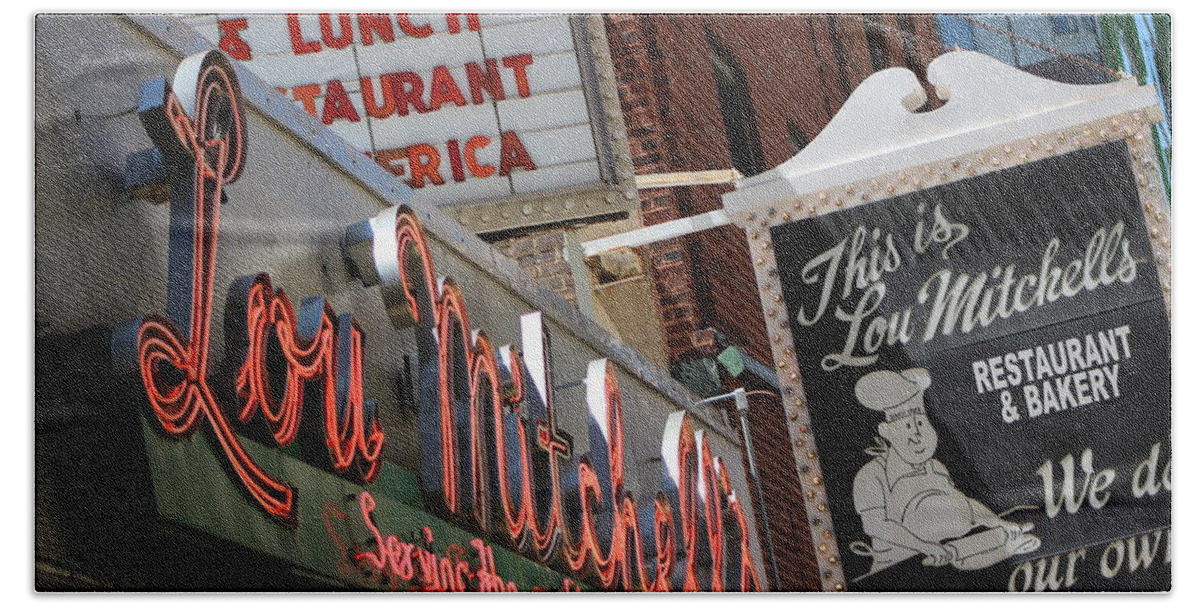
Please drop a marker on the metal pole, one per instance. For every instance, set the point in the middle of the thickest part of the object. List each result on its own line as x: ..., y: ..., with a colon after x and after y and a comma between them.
x: 743, y: 406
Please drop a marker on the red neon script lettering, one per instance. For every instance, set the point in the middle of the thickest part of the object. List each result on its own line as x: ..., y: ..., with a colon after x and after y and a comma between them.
x: 210, y: 136
x: 403, y: 562
x: 495, y: 460
x: 203, y: 144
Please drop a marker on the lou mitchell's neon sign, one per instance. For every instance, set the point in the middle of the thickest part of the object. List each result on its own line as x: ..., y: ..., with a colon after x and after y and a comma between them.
x: 494, y: 459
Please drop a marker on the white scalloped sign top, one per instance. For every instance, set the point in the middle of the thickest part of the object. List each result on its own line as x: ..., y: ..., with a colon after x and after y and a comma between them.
x: 988, y: 103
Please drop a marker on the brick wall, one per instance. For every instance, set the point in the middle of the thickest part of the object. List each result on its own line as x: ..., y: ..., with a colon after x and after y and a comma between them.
x: 541, y: 255
x: 798, y: 70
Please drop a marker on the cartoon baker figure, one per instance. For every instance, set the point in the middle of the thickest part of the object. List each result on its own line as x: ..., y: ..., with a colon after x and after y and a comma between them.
x: 905, y: 497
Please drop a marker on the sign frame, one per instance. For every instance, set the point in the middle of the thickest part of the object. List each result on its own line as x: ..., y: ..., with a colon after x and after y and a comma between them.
x: 877, y: 148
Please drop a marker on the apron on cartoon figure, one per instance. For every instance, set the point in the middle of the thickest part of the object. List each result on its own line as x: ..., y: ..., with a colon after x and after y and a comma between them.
x: 908, y: 503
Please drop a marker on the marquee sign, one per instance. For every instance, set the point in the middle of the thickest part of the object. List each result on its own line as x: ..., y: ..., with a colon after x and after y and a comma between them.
x: 464, y: 107
x: 977, y: 346
x: 494, y: 459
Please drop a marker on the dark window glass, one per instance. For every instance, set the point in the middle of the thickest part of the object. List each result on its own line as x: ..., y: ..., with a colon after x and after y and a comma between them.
x: 737, y: 111
x: 1064, y: 24
x: 876, y: 43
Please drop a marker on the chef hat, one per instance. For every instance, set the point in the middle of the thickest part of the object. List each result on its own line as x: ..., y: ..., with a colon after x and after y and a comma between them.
x: 896, y: 394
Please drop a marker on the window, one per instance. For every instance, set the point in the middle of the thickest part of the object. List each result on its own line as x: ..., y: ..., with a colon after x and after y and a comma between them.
x: 737, y: 110
x: 653, y: 51
x: 876, y: 44
x: 796, y: 137
x: 839, y: 54
x: 910, y: 50
x: 1064, y: 24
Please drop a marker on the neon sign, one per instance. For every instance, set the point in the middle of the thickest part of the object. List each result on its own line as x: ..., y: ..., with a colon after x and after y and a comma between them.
x: 202, y: 139
x: 402, y: 562
x: 494, y: 459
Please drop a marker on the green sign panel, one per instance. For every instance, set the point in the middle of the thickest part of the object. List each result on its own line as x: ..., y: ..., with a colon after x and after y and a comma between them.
x: 331, y: 539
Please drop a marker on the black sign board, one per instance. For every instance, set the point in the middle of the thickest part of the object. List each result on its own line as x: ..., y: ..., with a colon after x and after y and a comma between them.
x: 987, y: 366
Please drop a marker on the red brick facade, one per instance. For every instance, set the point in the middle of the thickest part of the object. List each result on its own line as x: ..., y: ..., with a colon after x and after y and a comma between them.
x: 691, y: 84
